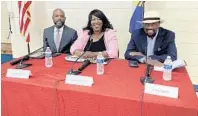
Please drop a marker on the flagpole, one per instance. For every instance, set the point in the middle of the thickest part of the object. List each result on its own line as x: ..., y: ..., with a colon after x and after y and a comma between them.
x: 143, y: 5
x: 28, y: 41
x: 28, y: 46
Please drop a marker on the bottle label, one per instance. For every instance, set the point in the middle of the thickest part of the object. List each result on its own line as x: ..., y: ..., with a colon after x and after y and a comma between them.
x: 167, y: 67
x: 48, y: 54
x: 100, y: 61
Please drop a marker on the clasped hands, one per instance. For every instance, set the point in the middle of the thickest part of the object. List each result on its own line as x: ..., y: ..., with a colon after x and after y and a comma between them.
x: 149, y: 60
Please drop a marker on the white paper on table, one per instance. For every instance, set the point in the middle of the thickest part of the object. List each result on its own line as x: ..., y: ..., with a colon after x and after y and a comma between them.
x: 74, y: 58
x: 176, y: 64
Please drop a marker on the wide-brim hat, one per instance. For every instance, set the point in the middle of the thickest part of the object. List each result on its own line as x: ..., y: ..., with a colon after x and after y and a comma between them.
x: 151, y: 17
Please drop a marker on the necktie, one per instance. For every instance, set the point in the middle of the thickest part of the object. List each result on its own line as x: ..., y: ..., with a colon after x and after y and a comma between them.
x: 57, y: 39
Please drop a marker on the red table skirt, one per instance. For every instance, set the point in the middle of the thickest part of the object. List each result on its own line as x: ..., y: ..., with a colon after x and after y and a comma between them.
x: 116, y: 93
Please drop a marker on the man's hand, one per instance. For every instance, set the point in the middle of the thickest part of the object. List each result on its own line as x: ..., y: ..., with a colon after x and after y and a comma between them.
x: 136, y: 54
x: 154, y: 62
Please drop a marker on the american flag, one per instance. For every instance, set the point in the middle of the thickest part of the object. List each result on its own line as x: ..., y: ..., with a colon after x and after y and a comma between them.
x: 24, y: 18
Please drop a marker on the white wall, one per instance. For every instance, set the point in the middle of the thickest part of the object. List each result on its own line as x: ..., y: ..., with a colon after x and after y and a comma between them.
x: 4, y: 23
x: 181, y: 17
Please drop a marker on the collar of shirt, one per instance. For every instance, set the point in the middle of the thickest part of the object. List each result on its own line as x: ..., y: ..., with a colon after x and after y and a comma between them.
x: 60, y: 30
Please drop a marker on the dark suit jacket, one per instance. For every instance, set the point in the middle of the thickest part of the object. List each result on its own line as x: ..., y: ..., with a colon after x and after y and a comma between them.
x: 69, y: 35
x: 164, y: 45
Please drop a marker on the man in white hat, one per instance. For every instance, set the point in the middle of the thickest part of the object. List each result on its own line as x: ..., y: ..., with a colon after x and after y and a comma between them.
x: 152, y: 40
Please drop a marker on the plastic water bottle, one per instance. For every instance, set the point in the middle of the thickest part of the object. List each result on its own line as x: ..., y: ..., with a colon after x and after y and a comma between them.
x: 100, y: 64
x: 167, y: 74
x: 48, y: 58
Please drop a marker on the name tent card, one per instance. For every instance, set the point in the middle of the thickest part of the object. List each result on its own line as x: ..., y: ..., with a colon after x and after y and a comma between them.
x: 79, y: 80
x: 18, y: 73
x: 161, y: 90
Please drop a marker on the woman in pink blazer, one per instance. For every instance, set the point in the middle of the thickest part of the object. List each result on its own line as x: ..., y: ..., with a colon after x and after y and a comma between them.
x: 97, y: 36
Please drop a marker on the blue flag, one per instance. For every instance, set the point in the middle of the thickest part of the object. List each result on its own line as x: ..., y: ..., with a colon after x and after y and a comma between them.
x: 137, y: 16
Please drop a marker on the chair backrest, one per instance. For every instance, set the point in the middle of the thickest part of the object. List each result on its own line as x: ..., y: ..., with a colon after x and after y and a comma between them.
x: 5, y: 58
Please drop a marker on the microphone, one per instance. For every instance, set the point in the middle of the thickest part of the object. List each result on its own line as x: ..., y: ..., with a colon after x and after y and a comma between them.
x: 76, y: 72
x: 84, y: 65
x: 149, y: 68
x: 23, y: 65
x: 146, y: 79
x: 26, y: 57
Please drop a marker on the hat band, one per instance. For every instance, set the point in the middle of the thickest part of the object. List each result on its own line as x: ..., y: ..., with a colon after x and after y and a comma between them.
x: 153, y: 18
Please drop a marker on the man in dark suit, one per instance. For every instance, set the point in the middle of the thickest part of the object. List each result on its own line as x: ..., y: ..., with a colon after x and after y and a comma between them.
x: 153, y: 40
x: 59, y: 37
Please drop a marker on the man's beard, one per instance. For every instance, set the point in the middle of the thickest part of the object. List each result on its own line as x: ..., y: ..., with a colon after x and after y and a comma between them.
x: 153, y: 35
x: 59, y: 24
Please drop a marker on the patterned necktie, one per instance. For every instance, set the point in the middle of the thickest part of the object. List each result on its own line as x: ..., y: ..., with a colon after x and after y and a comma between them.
x: 57, y: 39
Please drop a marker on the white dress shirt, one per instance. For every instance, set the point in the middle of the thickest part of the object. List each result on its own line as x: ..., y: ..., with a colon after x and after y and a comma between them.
x: 150, y: 47
x: 151, y: 44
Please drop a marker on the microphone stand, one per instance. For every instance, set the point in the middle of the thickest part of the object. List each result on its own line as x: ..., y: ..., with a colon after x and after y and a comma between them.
x: 22, y: 65
x: 76, y: 72
x: 149, y: 68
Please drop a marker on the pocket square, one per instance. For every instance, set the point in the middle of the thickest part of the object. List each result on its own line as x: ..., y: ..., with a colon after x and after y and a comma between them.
x: 159, y: 49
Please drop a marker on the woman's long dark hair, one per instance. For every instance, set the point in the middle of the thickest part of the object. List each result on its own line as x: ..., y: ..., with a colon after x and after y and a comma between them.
x: 101, y: 16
